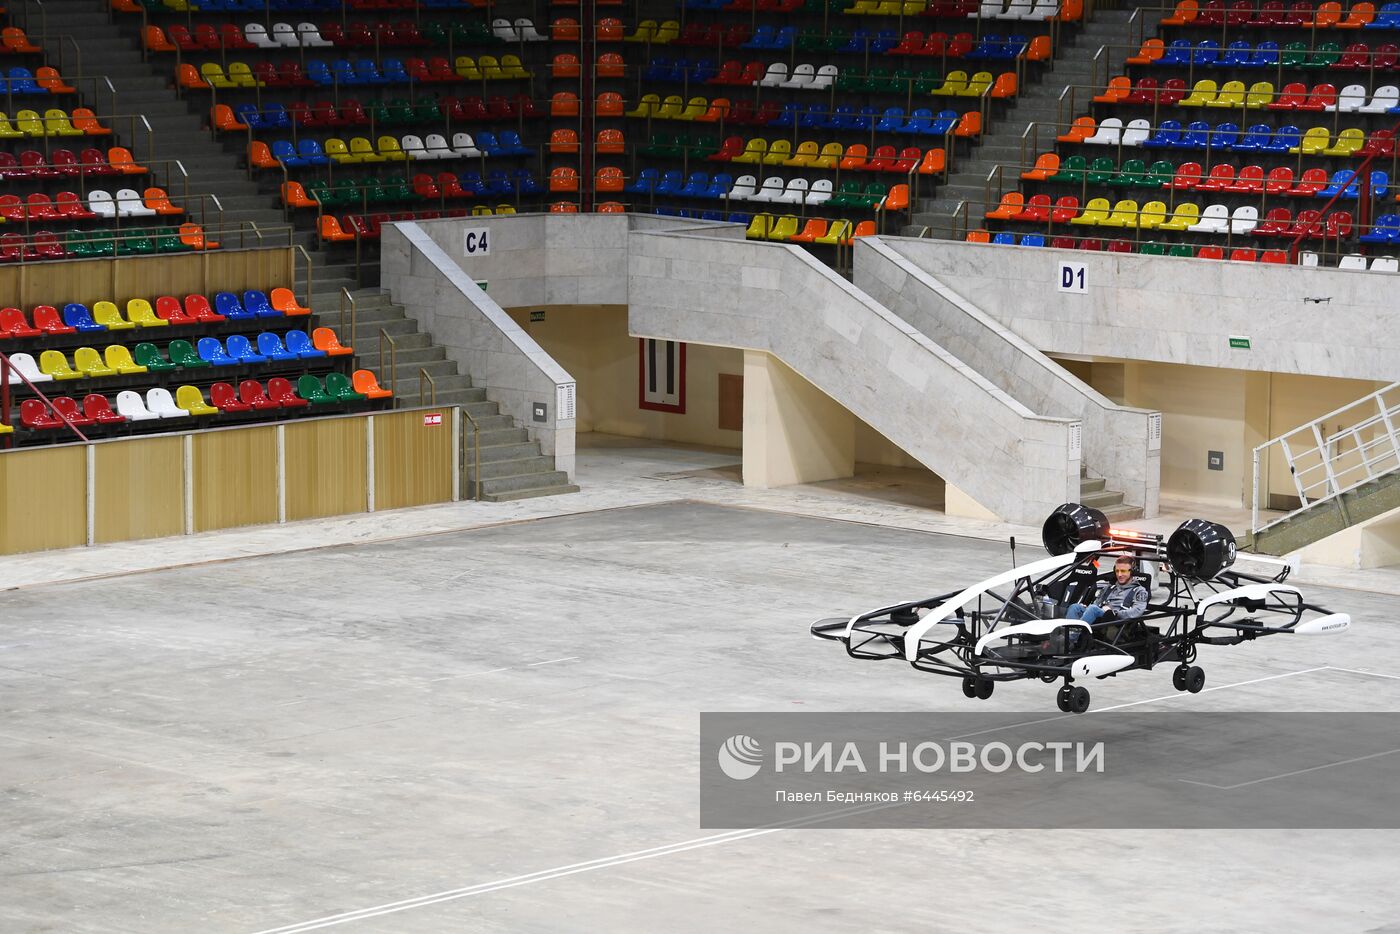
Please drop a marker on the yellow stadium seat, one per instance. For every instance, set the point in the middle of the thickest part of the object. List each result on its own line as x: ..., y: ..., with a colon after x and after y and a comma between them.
x: 1231, y: 95
x: 1125, y: 214
x: 87, y: 361
x: 646, y: 107
x: 1153, y: 214
x: 363, y: 150
x: 1261, y: 94
x: 56, y: 123
x: 831, y: 155
x: 191, y: 400
x: 1186, y: 214
x: 465, y: 66
x: 337, y: 150
x: 214, y: 76
x: 1315, y: 141
x: 107, y: 315
x: 1095, y: 212
x: 759, y: 227
x: 778, y: 153
x: 6, y: 130
x: 754, y: 151
x: 389, y: 148
x: 29, y: 123
x: 695, y: 109
x: 490, y: 68
x: 512, y: 68
x: 838, y: 232
x: 1202, y: 95
x: 954, y: 83
x: 670, y: 108
x: 54, y: 363
x: 805, y: 154
x: 140, y: 313
x: 119, y: 358
x: 977, y: 85
x: 1348, y: 142
x: 785, y: 227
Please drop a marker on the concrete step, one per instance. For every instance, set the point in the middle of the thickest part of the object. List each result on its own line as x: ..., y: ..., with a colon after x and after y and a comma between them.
x: 1102, y: 500
x: 511, y: 469
x: 531, y: 493
x: 514, y: 451
x: 494, y: 437
x: 1088, y: 486
x: 1121, y: 513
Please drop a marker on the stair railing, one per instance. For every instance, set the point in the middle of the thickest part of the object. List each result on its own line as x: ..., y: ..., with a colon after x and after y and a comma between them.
x: 476, y: 452
x: 1323, y: 465
x: 306, y: 258
x: 425, y: 377
x: 346, y: 300
x: 7, y: 368
x: 393, y: 370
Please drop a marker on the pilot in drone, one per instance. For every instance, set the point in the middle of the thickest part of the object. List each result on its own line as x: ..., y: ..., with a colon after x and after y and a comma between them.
x: 1117, y: 599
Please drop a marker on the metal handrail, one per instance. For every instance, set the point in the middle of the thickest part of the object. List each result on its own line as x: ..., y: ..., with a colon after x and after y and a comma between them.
x: 1339, y: 468
x: 476, y: 445
x: 423, y: 374
x: 307, y: 257
x: 393, y: 370
x: 345, y: 297
x: 5, y: 369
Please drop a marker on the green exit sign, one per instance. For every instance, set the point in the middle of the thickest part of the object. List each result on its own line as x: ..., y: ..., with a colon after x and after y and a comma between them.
x: 1239, y: 343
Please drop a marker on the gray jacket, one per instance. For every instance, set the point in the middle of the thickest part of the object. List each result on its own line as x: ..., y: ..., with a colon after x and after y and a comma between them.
x: 1128, y: 601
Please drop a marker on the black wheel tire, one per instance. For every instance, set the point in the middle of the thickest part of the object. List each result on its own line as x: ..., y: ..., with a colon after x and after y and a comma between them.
x: 1195, y: 679
x: 1079, y: 700
x: 969, y: 687
x: 985, y: 688
x: 1179, y: 677
x: 1062, y: 698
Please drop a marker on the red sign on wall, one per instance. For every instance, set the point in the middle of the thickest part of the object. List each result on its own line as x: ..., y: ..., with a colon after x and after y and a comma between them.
x: 432, y: 420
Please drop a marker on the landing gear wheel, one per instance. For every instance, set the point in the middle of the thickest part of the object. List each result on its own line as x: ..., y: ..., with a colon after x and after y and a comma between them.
x: 1078, y: 700
x: 969, y: 687
x: 1179, y: 677
x: 1062, y: 698
x: 985, y: 688
x: 1195, y: 679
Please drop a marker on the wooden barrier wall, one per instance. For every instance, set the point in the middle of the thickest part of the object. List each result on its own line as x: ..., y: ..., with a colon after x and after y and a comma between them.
x: 161, y: 485
x: 95, y: 280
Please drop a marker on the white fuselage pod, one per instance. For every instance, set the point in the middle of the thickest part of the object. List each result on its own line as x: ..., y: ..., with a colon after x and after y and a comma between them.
x: 1248, y: 592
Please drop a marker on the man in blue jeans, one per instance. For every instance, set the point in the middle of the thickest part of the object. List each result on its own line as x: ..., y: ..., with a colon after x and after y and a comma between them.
x: 1120, y: 598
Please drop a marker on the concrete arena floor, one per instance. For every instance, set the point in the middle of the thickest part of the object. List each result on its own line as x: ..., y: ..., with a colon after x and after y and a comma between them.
x: 255, y: 745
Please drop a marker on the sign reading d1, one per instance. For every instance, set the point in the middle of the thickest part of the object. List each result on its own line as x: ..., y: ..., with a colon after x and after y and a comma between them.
x: 1072, y: 278
x: 475, y: 241
x: 432, y: 419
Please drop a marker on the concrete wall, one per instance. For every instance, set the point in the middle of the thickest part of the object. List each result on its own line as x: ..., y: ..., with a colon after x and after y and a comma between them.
x: 793, y: 432
x: 1115, y: 444
x: 592, y: 343
x: 1371, y: 544
x: 479, y: 336
x: 1179, y: 310
x: 775, y: 298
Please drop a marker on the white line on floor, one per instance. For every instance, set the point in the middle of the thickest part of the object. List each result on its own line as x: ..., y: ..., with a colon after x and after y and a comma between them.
x: 1362, y: 671
x: 1315, y: 768
x: 470, y: 674
x: 571, y: 658
x: 1218, y: 687
x: 560, y: 871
